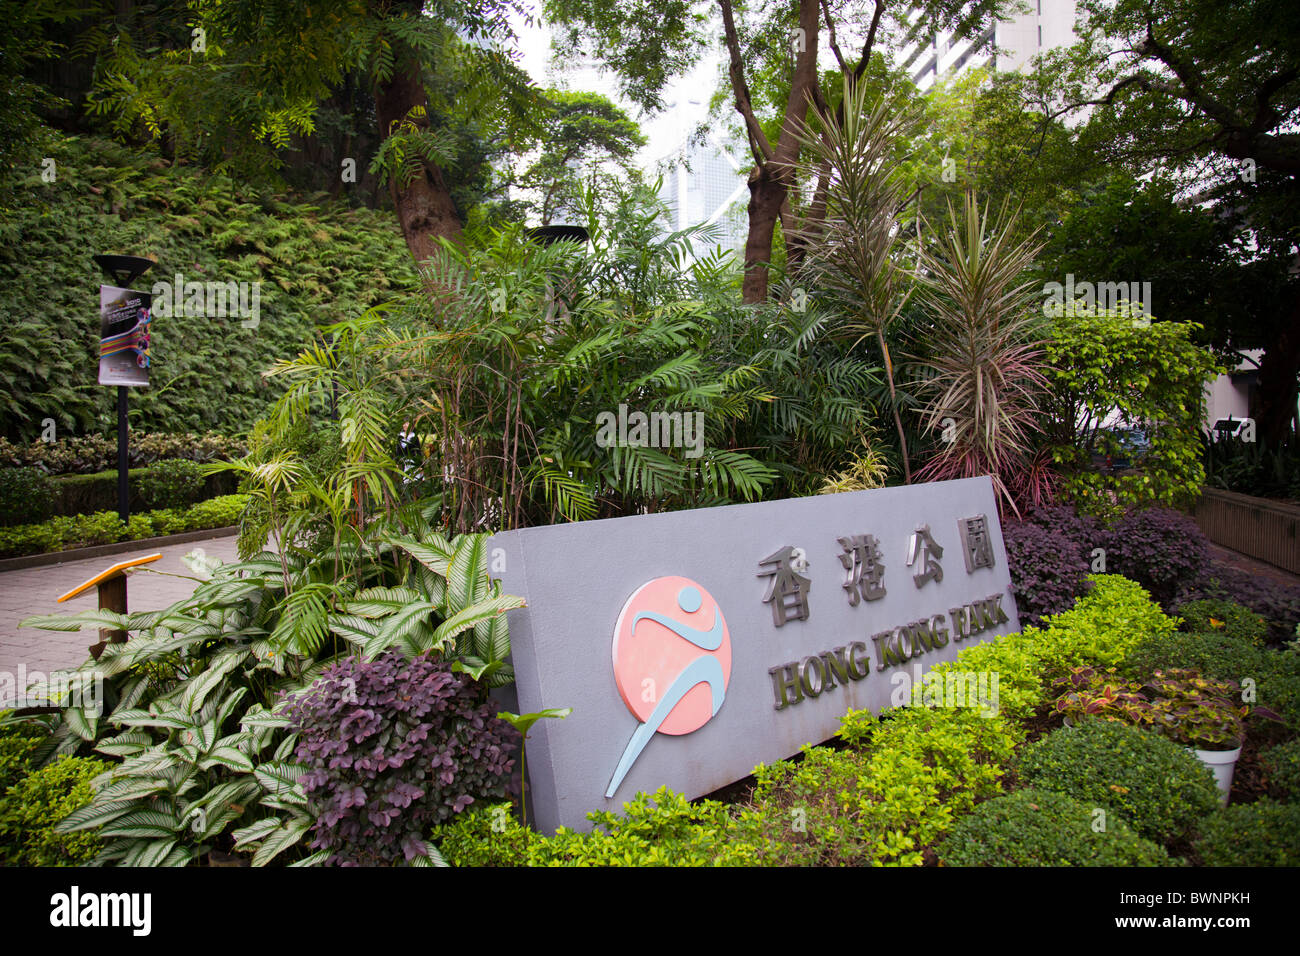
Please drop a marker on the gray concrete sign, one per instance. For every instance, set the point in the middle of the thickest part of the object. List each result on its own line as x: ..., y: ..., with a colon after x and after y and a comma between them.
x: 694, y: 645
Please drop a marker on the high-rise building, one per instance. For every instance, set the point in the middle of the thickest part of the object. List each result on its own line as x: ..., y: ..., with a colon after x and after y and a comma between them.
x: 1007, y: 44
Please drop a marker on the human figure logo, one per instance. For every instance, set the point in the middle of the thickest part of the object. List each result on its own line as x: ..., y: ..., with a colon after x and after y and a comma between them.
x: 671, y: 636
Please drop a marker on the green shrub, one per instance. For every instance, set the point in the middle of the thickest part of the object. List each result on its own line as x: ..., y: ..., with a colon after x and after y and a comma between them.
x: 26, y: 496
x: 173, y: 483
x: 887, y: 799
x: 1224, y: 617
x: 105, y: 527
x: 90, y: 454
x: 1252, y: 834
x: 1102, y: 628
x: 31, y: 808
x: 660, y: 830
x: 1282, y: 765
x: 486, y: 834
x: 222, y: 512
x: 1215, y: 654
x: 1014, y: 659
x: 1158, y: 787
x: 18, y: 743
x: 1042, y: 828
x: 168, y: 521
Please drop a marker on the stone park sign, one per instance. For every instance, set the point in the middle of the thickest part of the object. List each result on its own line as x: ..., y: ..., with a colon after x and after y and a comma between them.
x: 694, y: 645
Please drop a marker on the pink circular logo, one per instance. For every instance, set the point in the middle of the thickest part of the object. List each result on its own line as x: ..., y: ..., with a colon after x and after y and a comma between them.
x: 666, y: 634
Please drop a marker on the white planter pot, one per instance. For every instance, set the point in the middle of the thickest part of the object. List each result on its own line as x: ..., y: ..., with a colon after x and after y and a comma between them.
x: 1221, y: 764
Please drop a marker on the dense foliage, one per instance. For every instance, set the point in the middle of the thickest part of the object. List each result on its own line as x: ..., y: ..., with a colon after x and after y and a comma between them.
x: 1150, y: 374
x: 88, y: 454
x: 1233, y: 619
x: 1161, y: 549
x: 33, y: 806
x: 1252, y: 834
x: 193, y: 704
x: 1282, y: 765
x: 1048, y: 569
x: 1155, y: 785
x: 1044, y: 828
x: 316, y: 262
x: 394, y: 747
x: 106, y: 527
x: 26, y: 495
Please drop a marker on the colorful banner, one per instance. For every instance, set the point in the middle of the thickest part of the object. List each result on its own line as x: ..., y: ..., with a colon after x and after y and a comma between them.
x: 125, y: 316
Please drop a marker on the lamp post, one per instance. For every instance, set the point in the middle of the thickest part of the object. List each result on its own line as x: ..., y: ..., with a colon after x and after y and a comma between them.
x: 123, y: 348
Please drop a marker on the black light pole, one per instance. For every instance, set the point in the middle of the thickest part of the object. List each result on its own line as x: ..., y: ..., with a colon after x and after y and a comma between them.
x: 123, y: 270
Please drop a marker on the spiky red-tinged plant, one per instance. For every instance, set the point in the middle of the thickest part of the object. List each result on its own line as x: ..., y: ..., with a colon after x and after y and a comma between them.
x: 985, y: 365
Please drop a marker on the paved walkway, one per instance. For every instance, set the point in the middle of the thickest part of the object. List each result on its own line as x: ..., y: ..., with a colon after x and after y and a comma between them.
x: 36, y: 590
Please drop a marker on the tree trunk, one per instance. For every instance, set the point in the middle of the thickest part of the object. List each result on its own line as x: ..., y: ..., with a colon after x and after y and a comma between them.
x: 773, y: 176
x: 766, y: 195
x: 424, y: 207
x: 1278, y: 369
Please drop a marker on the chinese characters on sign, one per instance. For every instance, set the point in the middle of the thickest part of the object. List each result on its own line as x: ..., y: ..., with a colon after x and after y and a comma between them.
x: 975, y: 543
x: 864, y: 567
x: 787, y: 591
x: 924, y: 546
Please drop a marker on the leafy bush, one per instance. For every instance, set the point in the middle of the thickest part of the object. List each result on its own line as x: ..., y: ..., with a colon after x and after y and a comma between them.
x: 1252, y: 834
x: 663, y: 829
x: 1158, y: 787
x: 1153, y: 374
x: 19, y: 742
x: 1048, y: 569
x: 1101, y: 629
x: 88, y: 454
x: 1229, y: 617
x: 487, y: 834
x: 105, y: 527
x: 25, y: 494
x: 1042, y: 828
x: 1081, y: 527
x: 34, y: 805
x: 1216, y: 654
x: 222, y: 512
x: 1015, y: 660
x: 1277, y: 604
x: 886, y: 800
x: 394, y: 747
x: 1162, y: 550
x: 1282, y: 766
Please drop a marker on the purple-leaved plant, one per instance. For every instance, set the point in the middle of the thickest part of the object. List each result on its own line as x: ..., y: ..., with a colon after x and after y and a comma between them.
x: 394, y: 747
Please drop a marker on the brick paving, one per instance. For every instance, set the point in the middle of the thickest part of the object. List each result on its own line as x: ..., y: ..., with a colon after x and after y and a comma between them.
x: 36, y: 590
